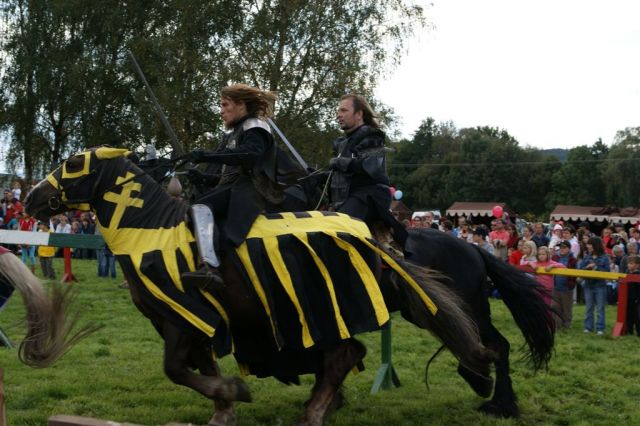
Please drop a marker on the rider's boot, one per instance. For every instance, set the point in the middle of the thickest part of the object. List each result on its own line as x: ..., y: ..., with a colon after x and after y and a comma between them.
x: 208, y: 276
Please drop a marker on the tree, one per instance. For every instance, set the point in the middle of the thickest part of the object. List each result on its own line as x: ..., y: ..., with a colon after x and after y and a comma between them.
x: 620, y: 171
x: 578, y: 181
x: 312, y: 53
x: 441, y: 165
x: 68, y: 82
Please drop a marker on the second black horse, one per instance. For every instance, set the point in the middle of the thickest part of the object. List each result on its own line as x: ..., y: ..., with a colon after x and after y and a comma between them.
x: 468, y: 268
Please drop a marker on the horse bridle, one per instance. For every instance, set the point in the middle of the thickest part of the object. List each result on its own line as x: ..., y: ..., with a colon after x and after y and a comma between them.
x: 55, y: 201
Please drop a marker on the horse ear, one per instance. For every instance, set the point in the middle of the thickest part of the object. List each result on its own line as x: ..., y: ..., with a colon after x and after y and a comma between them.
x: 107, y: 153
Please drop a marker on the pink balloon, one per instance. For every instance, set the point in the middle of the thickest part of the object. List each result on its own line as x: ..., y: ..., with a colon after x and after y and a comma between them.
x: 392, y: 189
x: 497, y: 212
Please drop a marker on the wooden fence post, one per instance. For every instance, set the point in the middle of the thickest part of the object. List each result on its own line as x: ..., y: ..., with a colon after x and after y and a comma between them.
x: 386, y: 377
x: 620, y: 327
x: 68, y: 273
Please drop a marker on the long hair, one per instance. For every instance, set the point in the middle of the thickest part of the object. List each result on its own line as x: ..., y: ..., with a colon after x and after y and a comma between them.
x: 534, y: 250
x: 51, y: 328
x: 369, y: 117
x: 598, y: 246
x: 259, y: 103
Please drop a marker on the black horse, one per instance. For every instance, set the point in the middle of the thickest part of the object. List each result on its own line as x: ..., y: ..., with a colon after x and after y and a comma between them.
x: 468, y: 266
x: 275, y: 324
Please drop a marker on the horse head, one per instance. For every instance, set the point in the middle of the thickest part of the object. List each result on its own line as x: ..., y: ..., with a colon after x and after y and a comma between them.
x: 76, y: 184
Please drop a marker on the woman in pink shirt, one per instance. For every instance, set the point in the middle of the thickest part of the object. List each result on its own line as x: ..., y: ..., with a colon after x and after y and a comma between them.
x: 544, y: 261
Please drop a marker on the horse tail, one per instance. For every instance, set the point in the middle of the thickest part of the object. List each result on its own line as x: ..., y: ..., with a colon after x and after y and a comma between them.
x: 50, y: 327
x: 524, y: 298
x: 451, y: 324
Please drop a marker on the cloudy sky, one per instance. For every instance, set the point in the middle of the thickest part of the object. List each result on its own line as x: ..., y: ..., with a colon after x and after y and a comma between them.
x: 554, y: 74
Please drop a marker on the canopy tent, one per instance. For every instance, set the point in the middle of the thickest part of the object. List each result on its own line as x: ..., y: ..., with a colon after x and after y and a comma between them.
x: 469, y: 209
x: 596, y: 214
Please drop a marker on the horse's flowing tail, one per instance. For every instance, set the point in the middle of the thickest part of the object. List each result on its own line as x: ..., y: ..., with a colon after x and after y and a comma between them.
x: 451, y: 323
x: 524, y: 298
x: 50, y: 326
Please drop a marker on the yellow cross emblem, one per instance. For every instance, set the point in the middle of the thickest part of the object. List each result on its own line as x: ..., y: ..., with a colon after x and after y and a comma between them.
x: 123, y: 199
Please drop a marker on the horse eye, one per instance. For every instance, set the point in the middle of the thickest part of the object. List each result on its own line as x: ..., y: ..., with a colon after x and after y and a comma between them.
x: 74, y: 164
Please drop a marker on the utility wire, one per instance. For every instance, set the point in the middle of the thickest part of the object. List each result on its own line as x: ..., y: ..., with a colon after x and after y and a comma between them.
x: 510, y: 163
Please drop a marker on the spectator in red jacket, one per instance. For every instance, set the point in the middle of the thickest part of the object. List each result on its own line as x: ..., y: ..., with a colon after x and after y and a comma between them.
x: 608, y: 239
x: 27, y: 223
x: 515, y: 255
x: 12, y: 208
x: 514, y: 237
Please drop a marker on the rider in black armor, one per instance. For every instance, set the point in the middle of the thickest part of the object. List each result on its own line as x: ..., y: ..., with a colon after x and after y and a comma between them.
x: 247, y: 184
x: 359, y: 181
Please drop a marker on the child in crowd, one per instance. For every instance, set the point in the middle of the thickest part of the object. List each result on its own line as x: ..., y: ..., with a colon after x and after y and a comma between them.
x: 27, y: 223
x: 633, y: 300
x: 515, y: 255
x: 46, y: 254
x: 529, y: 252
x: 543, y: 259
x: 563, y: 286
x: 16, y: 190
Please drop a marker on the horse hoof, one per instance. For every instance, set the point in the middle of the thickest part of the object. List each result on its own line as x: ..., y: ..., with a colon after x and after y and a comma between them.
x: 224, y: 418
x: 505, y: 411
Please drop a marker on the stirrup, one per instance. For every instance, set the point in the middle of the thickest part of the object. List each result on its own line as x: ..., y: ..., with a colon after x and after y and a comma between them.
x: 382, y: 234
x: 393, y: 248
x: 206, y: 278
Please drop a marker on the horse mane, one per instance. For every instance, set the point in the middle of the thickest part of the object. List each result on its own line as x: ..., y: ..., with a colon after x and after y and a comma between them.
x: 155, y: 196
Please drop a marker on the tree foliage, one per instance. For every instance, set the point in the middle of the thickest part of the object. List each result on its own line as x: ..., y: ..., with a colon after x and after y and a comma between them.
x: 442, y: 164
x: 621, y: 174
x: 68, y: 83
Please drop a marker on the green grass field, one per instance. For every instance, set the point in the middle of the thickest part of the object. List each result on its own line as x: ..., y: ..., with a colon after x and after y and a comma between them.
x: 117, y: 374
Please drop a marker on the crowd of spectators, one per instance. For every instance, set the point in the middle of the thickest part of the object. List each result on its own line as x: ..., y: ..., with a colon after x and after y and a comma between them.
x: 560, y: 245
x: 13, y: 217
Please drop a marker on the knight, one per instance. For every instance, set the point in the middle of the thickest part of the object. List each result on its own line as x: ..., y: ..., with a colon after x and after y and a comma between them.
x: 246, y: 166
x: 359, y: 180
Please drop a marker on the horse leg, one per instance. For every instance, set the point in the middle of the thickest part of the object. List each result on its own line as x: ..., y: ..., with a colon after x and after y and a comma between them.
x: 336, y: 364
x: 504, y: 401
x: 202, y: 357
x: 482, y: 384
x: 338, y: 399
x: 177, y: 348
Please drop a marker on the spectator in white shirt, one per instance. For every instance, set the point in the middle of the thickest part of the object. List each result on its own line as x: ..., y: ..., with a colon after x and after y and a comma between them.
x: 63, y: 227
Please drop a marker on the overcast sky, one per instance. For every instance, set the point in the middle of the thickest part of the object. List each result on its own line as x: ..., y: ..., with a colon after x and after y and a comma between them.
x: 554, y: 74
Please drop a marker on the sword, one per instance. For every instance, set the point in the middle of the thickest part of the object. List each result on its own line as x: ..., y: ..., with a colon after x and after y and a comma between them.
x: 178, y: 150
x: 286, y: 142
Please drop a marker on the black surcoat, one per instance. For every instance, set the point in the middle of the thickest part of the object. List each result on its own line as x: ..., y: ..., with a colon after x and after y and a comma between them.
x: 248, y: 178
x: 360, y: 186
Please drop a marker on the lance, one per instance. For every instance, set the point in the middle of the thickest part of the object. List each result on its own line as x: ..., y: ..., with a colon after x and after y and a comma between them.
x: 178, y: 150
x: 286, y: 142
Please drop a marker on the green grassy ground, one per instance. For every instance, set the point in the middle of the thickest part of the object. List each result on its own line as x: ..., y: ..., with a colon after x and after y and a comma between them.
x: 117, y: 374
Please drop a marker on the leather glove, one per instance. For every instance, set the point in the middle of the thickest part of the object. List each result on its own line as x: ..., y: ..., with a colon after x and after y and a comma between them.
x: 340, y: 164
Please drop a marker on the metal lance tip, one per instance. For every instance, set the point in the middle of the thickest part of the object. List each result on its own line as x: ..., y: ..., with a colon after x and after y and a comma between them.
x: 174, y: 188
